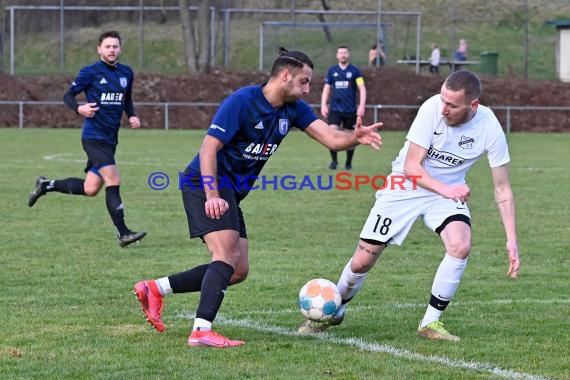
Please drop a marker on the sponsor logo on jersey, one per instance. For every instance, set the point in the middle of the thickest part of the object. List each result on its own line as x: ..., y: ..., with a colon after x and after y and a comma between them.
x: 111, y: 97
x: 283, y: 126
x: 340, y: 84
x: 259, y: 125
x: 103, y: 81
x: 466, y: 142
x: 259, y: 152
x: 445, y: 158
x: 123, y: 82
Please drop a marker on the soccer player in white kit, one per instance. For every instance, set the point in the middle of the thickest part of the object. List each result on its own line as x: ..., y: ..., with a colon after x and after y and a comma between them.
x: 450, y: 132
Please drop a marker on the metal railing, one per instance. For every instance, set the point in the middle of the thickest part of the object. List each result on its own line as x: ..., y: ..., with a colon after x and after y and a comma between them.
x: 167, y: 107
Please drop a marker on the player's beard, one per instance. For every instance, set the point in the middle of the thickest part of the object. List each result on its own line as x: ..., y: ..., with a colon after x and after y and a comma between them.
x: 290, y: 95
x: 110, y: 61
x: 465, y: 117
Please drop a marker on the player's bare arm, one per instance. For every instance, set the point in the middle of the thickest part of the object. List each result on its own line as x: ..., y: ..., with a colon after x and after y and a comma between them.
x: 338, y: 140
x: 325, y: 100
x: 506, y: 204
x: 215, y: 206
x: 413, y: 168
x: 361, y: 97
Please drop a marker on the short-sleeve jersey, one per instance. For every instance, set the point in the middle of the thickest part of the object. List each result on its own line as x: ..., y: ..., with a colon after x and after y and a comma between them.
x: 452, y: 151
x: 343, y: 88
x: 111, y: 88
x: 251, y: 130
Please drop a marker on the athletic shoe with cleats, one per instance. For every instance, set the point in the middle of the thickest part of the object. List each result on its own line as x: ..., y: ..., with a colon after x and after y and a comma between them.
x: 312, y: 327
x: 130, y: 238
x: 210, y: 338
x: 436, y: 331
x: 333, y: 165
x: 39, y: 190
x: 151, y: 303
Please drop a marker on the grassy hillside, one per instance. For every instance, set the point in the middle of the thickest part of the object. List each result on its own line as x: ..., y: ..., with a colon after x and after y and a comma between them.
x: 496, y: 26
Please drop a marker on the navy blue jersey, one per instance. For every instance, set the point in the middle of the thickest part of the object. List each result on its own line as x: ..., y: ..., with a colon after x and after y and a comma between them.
x: 343, y: 88
x: 111, y: 88
x: 251, y: 130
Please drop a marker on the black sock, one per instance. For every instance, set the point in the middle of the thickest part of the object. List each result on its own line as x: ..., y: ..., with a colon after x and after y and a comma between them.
x: 115, y: 208
x: 72, y: 186
x: 349, y: 155
x: 215, y: 283
x: 188, y: 281
x: 334, y: 156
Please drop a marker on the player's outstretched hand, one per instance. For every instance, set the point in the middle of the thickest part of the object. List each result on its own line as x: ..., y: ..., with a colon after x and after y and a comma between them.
x: 368, y: 135
x: 514, y: 260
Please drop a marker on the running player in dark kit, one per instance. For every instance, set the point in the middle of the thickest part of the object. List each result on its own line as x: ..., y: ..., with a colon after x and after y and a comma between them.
x: 107, y: 85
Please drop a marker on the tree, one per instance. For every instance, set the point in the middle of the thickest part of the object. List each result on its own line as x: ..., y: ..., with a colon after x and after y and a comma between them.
x: 196, y: 36
x: 2, y: 10
x: 322, y: 19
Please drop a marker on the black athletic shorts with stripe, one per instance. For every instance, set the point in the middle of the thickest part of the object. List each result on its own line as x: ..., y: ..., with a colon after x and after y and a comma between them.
x: 194, y: 198
x: 99, y: 154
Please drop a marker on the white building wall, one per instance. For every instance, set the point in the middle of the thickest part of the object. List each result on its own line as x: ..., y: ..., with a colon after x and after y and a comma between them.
x: 563, y: 56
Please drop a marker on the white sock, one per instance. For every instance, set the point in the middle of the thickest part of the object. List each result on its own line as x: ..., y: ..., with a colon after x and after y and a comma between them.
x: 349, y: 282
x: 164, y: 286
x: 445, y: 285
x: 201, y: 324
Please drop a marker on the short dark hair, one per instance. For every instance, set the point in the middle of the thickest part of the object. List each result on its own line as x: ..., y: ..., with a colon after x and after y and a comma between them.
x: 466, y: 81
x: 342, y: 46
x: 109, y: 34
x: 292, y: 59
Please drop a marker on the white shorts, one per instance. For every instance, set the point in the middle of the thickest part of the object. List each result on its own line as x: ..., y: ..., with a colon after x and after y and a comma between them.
x: 391, y: 218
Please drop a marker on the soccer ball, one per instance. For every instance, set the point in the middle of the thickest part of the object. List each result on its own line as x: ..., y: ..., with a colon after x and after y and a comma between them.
x: 319, y: 300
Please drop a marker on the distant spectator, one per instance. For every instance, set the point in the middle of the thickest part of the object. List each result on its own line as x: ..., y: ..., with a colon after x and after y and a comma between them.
x: 461, y: 52
x: 376, y: 55
x: 434, y: 59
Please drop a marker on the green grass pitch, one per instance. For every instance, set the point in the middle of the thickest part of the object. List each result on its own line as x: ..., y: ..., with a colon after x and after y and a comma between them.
x: 68, y: 312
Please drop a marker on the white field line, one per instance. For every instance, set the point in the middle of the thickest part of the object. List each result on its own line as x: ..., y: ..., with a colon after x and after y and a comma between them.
x: 359, y: 308
x: 377, y: 347
x: 71, y: 157
x: 68, y: 157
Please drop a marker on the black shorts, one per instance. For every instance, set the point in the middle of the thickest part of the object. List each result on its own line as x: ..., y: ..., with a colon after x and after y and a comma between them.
x: 199, y: 224
x: 99, y: 154
x: 346, y: 120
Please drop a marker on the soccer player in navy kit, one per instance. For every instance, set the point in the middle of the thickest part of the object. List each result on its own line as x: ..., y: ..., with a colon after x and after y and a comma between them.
x: 245, y: 132
x: 107, y: 85
x: 342, y: 82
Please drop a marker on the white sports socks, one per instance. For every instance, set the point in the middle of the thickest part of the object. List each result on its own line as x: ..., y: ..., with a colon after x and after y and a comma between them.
x: 349, y: 282
x: 444, y: 287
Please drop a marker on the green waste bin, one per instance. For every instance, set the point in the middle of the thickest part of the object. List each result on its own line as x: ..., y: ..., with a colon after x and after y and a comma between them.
x: 489, y: 62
